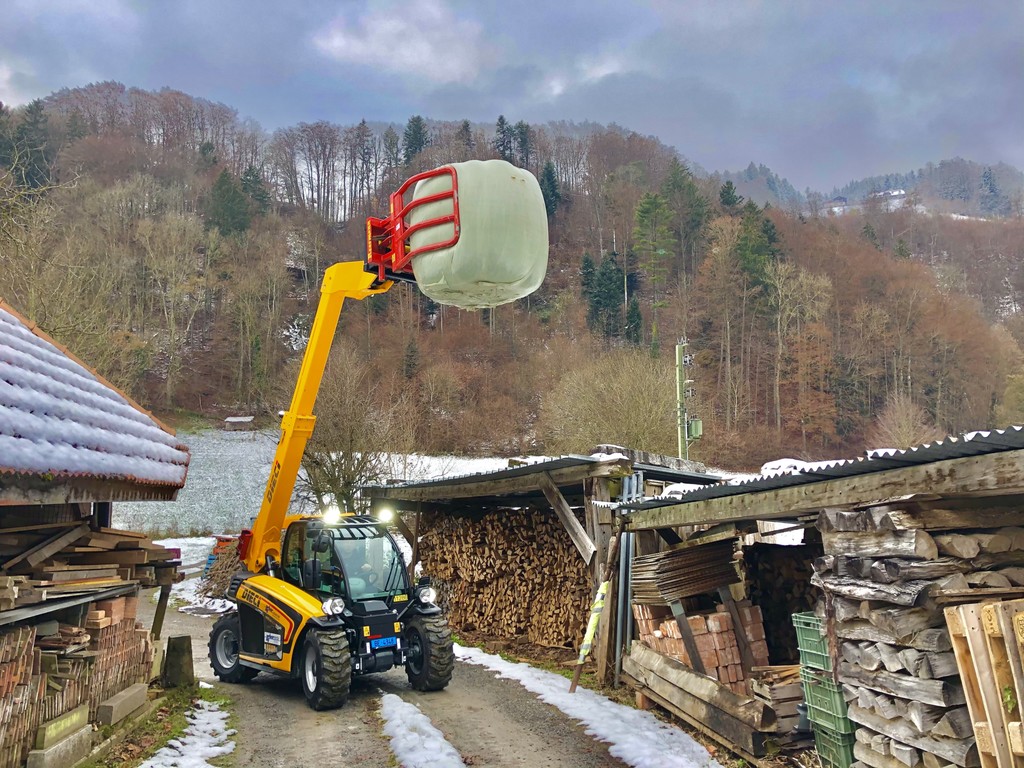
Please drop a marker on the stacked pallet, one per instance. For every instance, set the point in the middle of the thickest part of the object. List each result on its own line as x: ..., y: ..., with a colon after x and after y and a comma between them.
x: 988, y: 642
x: 510, y: 574
x: 779, y: 688
x: 714, y: 635
x: 887, y: 572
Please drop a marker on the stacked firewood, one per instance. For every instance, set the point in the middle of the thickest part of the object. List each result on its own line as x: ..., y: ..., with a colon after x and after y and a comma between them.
x: 510, y: 574
x: 225, y: 565
x: 21, y: 690
x: 887, y: 572
x: 778, y: 580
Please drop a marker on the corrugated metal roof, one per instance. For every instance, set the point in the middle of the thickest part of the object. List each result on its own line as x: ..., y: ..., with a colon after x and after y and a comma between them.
x: 879, y: 460
x: 60, y: 420
x: 562, y: 462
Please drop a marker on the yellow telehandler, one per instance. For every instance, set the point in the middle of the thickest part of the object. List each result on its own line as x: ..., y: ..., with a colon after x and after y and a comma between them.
x: 323, y: 598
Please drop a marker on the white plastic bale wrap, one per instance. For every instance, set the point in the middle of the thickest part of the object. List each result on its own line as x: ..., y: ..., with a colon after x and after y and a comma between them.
x: 502, y: 251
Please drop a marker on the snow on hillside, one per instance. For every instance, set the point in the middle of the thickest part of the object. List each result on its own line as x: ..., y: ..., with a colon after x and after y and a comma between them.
x: 228, y: 473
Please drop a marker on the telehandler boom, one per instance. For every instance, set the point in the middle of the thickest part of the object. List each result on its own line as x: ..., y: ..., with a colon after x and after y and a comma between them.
x: 322, y: 599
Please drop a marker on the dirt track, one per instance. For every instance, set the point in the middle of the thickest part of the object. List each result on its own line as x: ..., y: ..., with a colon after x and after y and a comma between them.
x: 491, y: 722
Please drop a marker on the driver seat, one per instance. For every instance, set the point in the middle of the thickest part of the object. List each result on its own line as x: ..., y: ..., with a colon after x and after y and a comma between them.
x: 312, y: 573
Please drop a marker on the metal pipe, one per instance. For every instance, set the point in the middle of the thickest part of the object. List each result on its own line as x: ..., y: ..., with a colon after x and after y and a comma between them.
x: 629, y: 591
x: 620, y: 605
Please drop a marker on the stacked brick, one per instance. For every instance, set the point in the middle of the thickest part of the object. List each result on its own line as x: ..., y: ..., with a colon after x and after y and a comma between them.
x: 45, y: 677
x: 714, y: 635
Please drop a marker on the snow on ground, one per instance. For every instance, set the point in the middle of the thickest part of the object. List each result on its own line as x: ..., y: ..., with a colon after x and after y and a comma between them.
x: 186, y: 594
x: 637, y: 738
x: 415, y: 742
x: 207, y: 736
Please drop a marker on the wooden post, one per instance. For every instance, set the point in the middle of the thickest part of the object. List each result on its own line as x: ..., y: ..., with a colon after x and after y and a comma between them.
x: 161, y: 609
x: 609, y: 568
x: 696, y: 662
x: 415, y: 543
x: 178, y: 669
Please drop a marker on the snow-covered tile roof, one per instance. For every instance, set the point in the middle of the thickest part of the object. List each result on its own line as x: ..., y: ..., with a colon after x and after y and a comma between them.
x: 59, y: 419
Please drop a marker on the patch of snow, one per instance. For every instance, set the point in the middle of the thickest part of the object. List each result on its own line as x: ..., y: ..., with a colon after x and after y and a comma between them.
x: 206, y: 737
x: 187, y: 592
x: 415, y: 742
x: 609, y: 456
x: 204, y: 684
x: 637, y: 738
x: 676, y: 490
x: 194, y: 551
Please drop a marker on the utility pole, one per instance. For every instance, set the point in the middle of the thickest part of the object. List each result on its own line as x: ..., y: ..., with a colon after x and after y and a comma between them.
x: 688, y: 430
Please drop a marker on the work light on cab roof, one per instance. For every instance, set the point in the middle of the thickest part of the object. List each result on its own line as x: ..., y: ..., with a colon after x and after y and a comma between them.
x: 470, y: 235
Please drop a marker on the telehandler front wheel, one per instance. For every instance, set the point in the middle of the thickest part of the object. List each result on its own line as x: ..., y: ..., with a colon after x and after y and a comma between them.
x: 224, y: 651
x: 326, y: 669
x: 430, y: 659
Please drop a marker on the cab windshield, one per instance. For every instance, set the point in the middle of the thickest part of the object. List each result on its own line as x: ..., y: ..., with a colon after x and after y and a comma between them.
x: 371, y: 566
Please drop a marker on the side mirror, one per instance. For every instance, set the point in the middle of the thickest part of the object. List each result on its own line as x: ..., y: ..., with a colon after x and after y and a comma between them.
x: 424, y: 581
x: 322, y: 544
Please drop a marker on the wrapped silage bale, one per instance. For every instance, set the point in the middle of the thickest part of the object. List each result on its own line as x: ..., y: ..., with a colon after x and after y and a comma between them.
x: 502, y: 251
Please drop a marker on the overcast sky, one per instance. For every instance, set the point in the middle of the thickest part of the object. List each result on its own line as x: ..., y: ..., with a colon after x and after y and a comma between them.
x: 822, y: 92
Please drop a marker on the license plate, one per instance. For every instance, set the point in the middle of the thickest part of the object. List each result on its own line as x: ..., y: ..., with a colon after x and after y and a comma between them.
x: 384, y: 642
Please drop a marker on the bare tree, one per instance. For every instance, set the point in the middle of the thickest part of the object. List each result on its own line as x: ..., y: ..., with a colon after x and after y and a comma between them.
x: 902, y: 424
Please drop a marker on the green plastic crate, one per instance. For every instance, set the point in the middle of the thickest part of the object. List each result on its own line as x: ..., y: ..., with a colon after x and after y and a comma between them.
x: 825, y: 703
x: 813, y: 647
x: 834, y: 749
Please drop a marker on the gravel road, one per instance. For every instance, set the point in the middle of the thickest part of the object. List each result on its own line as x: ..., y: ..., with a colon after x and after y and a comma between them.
x: 490, y: 721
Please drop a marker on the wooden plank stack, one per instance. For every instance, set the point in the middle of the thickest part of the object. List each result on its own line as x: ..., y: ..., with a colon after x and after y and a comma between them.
x: 665, y: 577
x: 887, y: 572
x: 510, y: 574
x: 43, y: 677
x: 779, y: 687
x: 54, y: 560
x: 714, y: 635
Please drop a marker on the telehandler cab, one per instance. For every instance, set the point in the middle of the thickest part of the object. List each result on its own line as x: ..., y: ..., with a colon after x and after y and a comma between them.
x: 323, y: 598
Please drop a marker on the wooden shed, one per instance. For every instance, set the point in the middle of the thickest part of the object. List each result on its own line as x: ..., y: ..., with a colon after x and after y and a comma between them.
x: 518, y: 552
x: 71, y: 445
x: 912, y: 656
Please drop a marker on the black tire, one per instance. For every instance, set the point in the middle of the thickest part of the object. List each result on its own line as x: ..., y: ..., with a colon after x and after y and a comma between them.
x: 224, y: 651
x: 430, y: 659
x: 326, y: 669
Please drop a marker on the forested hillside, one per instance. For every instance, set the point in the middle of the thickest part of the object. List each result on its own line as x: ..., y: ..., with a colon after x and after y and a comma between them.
x: 177, y: 248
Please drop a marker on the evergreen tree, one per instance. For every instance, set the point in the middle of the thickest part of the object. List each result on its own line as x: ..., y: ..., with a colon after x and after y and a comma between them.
x: 256, y: 190
x: 587, y: 276
x: 653, y: 238
x: 464, y: 137
x: 990, y: 200
x: 392, y: 147
x: 32, y: 147
x: 549, y: 188
x: 690, y: 209
x: 207, y: 156
x: 869, y: 234
x: 728, y: 198
x: 228, y: 209
x: 6, y: 137
x: 901, y: 250
x: 757, y: 243
x: 411, y: 359
x: 76, y: 128
x: 503, y: 139
x: 634, y: 323
x: 604, y: 311
x: 415, y: 139
x: 522, y: 135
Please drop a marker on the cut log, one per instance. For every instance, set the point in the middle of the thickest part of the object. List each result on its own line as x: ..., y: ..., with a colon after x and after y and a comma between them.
x: 962, y: 752
x: 956, y: 723
x: 937, y: 692
x: 869, y: 757
x: 958, y: 545
x: 901, y: 593
x: 898, y: 569
x: 905, y: 754
x: 910, y: 544
x: 924, y: 640
x: 992, y: 543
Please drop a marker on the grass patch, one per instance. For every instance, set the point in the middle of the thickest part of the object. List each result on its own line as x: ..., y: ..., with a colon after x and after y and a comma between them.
x: 148, y: 735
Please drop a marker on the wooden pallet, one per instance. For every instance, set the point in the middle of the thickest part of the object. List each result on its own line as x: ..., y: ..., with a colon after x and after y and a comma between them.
x: 970, y: 646
x: 997, y: 621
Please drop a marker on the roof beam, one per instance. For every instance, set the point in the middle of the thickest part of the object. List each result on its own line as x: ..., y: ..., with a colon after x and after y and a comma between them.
x: 991, y: 474
x: 577, y: 532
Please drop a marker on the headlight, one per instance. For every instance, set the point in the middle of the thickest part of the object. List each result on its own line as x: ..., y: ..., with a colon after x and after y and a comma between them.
x: 385, y: 515
x: 334, y: 607
x: 427, y: 594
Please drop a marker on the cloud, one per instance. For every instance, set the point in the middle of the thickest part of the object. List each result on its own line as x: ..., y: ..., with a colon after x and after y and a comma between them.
x: 419, y: 40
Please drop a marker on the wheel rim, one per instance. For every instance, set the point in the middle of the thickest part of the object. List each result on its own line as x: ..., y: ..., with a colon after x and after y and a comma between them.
x: 415, y: 652
x: 227, y: 649
x: 312, y: 670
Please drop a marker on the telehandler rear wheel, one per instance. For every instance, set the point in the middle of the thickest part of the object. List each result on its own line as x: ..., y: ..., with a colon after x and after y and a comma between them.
x: 326, y: 669
x: 224, y: 651
x: 430, y: 659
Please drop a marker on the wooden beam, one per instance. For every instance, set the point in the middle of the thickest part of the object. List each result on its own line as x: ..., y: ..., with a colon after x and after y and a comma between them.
x: 32, y: 557
x: 576, y: 531
x: 991, y: 474
x: 509, y: 485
